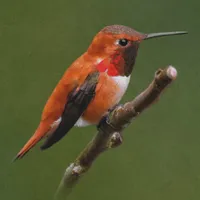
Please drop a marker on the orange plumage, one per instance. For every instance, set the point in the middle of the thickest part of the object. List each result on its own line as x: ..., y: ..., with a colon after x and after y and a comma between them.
x: 75, y: 75
x: 112, y: 52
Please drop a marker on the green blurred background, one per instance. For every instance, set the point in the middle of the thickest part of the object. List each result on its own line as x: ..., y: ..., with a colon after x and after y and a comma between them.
x: 159, y: 158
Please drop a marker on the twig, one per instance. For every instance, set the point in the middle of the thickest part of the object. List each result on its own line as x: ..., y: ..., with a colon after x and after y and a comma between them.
x: 110, y: 132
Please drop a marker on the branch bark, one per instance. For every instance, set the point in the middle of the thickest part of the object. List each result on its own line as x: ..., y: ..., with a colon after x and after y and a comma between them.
x: 110, y: 131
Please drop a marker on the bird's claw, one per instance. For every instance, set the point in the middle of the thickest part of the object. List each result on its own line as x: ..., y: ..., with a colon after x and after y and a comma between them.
x: 105, y: 119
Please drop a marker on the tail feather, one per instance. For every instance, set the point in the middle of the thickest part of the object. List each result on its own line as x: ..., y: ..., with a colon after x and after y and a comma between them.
x: 32, y: 141
x: 37, y: 136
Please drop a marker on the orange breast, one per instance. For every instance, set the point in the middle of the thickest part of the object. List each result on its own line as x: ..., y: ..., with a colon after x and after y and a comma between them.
x: 105, y: 98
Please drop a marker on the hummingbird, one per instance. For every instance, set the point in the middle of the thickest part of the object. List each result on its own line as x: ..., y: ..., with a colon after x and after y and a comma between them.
x: 112, y: 53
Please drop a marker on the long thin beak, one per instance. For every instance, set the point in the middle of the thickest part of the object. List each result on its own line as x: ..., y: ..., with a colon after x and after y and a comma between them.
x: 163, y: 34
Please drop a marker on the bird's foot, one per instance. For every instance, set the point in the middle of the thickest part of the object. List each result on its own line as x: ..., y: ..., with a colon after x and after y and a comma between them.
x: 104, y: 119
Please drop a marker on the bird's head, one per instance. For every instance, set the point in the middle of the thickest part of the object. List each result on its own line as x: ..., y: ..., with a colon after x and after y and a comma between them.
x: 120, y: 44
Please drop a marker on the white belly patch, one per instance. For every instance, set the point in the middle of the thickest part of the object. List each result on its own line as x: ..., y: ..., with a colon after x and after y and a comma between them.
x: 81, y: 122
x: 122, y: 82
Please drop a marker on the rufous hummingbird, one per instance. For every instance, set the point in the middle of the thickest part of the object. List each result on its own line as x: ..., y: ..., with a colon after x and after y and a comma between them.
x: 112, y: 53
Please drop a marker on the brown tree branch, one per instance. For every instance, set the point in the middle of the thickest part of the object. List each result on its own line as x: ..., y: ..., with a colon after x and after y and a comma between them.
x: 110, y: 132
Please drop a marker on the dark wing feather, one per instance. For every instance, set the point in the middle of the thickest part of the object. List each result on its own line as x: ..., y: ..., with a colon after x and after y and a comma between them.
x: 77, y: 102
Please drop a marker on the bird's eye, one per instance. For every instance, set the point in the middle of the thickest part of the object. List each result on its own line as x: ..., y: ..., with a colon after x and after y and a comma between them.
x: 123, y: 42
